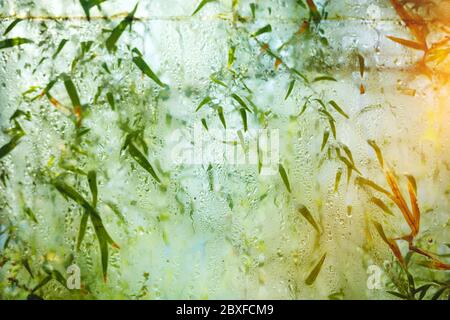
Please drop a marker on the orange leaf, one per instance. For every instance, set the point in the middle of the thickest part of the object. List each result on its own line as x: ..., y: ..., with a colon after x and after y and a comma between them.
x: 408, y: 43
x: 397, y: 197
x: 413, y: 22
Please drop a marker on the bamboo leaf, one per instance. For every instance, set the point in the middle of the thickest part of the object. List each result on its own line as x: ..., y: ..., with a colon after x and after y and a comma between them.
x: 315, y: 271
x: 119, y: 29
x: 241, y: 102
x: 265, y: 29
x: 326, y: 135
x: 382, y: 205
x: 399, y: 200
x: 290, y: 88
x: 203, y: 102
x: 337, y: 179
x: 205, y: 124
x: 397, y: 294
x: 26, y: 264
x: 408, y: 43
x: 366, y: 182
x: 391, y: 243
x: 92, y: 180
x: 82, y: 230
x: 12, y: 42
x: 142, y: 160
x: 111, y: 101
x: 201, y: 5
x: 377, y: 150
x: 284, y: 177
x: 8, y: 147
x: 221, y: 116
x: 144, y: 67
x: 88, y: 5
x: 231, y: 56
x: 314, y: 11
x: 31, y: 214
x: 308, y: 216
x: 361, y: 65
x: 324, y: 78
x: 73, y: 95
x: 11, y: 26
x: 244, y: 118
x: 60, y: 47
x: 337, y: 108
x: 438, y: 293
x: 42, y: 283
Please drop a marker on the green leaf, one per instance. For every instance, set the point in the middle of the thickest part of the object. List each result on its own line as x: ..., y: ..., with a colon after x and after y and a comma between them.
x: 326, y: 135
x: 92, y: 180
x: 438, y: 293
x: 324, y: 78
x: 265, y: 29
x: 337, y: 108
x: 82, y: 230
x: 42, y: 283
x: 398, y: 294
x: 142, y: 160
x: 231, y: 56
x: 203, y: 102
x: 221, y: 116
x: 20, y: 113
x: 284, y: 177
x: 12, y: 42
x: 290, y: 88
x: 119, y: 29
x: 88, y: 5
x: 241, y: 102
x: 111, y: 101
x: 308, y: 216
x: 205, y: 124
x: 60, y: 47
x: 72, y: 91
x: 30, y: 214
x: 244, y: 118
x: 315, y: 271
x: 26, y: 264
x: 8, y: 147
x: 253, y: 9
x: 11, y: 26
x: 143, y: 66
x: 201, y: 5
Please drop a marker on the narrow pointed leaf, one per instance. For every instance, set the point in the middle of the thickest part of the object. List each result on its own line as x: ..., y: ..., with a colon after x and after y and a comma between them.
x: 143, y: 66
x: 284, y: 177
x: 221, y: 116
x: 11, y: 26
x: 244, y: 118
x: 337, y: 108
x: 241, y: 102
x: 382, y: 205
x: 265, y: 29
x: 308, y: 216
x: 290, y: 88
x: 206, y: 100
x: 12, y: 42
x: 201, y: 5
x: 315, y: 271
x: 142, y: 160
x: 119, y: 29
